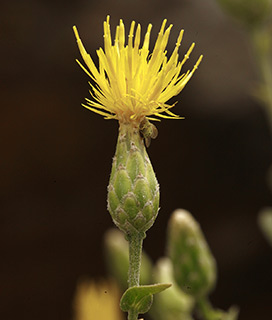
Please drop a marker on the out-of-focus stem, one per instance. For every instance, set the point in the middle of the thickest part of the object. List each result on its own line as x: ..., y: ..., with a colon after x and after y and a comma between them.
x: 206, y: 310
x: 261, y: 43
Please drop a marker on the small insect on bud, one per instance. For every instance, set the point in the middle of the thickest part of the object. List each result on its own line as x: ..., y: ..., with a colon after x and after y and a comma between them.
x: 148, y: 131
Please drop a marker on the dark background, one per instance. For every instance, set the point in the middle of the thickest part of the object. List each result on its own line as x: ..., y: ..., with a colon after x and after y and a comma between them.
x: 56, y: 156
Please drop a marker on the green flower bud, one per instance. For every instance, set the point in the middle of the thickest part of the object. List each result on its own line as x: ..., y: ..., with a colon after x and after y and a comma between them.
x: 173, y: 304
x: 250, y: 12
x: 133, y: 191
x: 117, y: 259
x: 193, y: 263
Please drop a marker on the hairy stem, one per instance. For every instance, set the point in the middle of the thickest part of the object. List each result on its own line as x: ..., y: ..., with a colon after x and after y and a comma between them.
x: 135, y: 253
x: 132, y: 315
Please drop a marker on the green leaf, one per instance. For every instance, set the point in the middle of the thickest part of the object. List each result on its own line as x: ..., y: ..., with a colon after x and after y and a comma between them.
x: 140, y: 298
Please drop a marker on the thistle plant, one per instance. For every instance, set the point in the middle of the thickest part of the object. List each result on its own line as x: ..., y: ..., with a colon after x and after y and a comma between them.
x: 132, y: 86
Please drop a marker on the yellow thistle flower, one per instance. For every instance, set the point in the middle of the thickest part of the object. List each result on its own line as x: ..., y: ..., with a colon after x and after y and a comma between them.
x: 97, y: 301
x: 131, y: 82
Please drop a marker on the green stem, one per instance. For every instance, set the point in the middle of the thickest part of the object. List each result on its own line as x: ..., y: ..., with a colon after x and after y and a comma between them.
x: 132, y: 315
x: 135, y: 253
x: 262, y: 47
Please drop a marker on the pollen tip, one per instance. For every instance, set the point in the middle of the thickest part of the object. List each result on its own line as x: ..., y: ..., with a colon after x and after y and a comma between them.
x: 199, y: 60
x: 163, y: 26
x: 75, y: 31
x: 180, y: 37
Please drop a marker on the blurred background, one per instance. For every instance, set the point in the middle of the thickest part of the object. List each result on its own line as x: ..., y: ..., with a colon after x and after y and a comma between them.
x: 56, y: 156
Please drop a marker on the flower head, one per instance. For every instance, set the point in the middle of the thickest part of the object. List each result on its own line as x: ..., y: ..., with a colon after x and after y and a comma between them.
x: 131, y: 83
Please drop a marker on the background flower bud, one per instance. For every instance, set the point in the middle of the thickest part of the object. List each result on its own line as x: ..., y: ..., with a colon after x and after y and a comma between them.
x: 194, y: 267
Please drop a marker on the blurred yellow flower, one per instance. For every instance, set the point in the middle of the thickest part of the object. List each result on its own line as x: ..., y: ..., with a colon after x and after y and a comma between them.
x: 97, y: 301
x: 131, y: 82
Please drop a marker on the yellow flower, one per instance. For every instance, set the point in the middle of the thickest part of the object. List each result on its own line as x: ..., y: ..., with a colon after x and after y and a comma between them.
x: 131, y: 82
x: 97, y: 301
